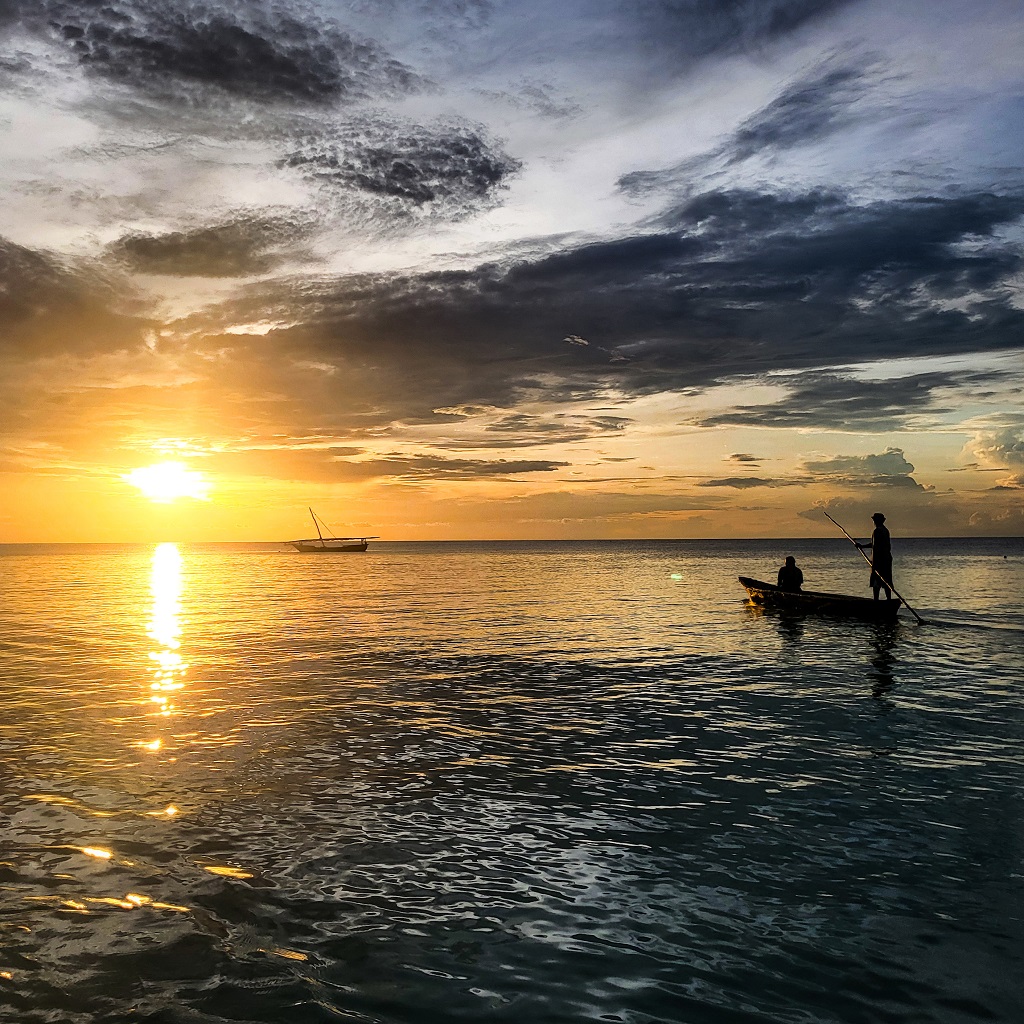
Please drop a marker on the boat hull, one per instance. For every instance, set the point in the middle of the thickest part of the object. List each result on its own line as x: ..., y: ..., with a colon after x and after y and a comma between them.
x: 811, y: 602
x: 315, y: 547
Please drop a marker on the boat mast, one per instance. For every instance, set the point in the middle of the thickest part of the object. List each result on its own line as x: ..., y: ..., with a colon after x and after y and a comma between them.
x: 317, y: 525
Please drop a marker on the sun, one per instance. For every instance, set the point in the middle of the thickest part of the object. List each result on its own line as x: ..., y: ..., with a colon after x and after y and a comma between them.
x: 168, y: 481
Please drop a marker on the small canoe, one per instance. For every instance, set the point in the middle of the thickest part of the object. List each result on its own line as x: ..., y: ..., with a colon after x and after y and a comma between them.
x: 812, y: 602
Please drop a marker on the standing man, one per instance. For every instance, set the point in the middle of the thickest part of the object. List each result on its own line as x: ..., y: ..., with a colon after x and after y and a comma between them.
x: 881, y: 558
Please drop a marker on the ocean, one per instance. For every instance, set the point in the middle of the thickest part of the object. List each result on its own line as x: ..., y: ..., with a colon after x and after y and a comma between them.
x: 518, y: 782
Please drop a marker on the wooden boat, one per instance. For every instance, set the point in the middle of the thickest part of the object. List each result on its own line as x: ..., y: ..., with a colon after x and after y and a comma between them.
x: 320, y: 545
x: 813, y: 602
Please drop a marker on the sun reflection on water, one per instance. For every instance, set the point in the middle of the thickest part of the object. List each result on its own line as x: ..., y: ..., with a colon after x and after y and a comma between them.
x: 168, y: 667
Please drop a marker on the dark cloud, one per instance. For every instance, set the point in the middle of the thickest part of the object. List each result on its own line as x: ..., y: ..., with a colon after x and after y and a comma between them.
x: 238, y: 248
x: 809, y: 110
x: 745, y: 482
x: 47, y: 305
x: 449, y: 170
x: 737, y: 283
x: 259, y: 51
x: 522, y: 429
x: 826, y: 400
x: 745, y: 457
x: 324, y: 463
x: 426, y: 468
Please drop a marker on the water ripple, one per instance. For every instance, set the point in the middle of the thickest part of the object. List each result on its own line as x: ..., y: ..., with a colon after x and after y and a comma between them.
x: 244, y: 785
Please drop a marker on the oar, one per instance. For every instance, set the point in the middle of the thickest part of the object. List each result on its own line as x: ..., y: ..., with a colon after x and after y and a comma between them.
x: 920, y: 621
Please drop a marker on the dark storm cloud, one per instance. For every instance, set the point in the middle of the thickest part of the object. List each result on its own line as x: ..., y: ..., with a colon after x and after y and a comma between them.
x: 259, y: 51
x: 736, y: 283
x: 450, y: 168
x: 47, y: 306
x: 809, y: 110
x: 238, y: 248
x: 833, y: 401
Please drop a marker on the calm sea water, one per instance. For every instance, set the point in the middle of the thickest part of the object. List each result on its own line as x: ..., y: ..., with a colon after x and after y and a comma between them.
x: 508, y: 782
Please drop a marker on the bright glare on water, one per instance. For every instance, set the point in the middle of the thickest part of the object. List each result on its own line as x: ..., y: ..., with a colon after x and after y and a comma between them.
x: 511, y: 782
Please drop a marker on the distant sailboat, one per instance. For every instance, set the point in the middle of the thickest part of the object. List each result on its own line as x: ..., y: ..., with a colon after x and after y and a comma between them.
x: 323, y: 545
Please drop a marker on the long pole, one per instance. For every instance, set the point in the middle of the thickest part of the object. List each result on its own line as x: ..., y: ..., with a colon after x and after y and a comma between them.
x: 321, y: 536
x: 868, y: 560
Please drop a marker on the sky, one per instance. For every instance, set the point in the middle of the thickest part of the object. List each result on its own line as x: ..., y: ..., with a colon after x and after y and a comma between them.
x: 475, y: 269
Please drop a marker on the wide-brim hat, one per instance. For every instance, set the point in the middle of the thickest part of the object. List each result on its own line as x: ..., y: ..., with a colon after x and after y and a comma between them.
x: 878, y: 517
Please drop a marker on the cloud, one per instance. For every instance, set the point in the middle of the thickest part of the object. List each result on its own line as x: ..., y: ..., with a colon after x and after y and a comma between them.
x: 602, y: 506
x: 808, y: 110
x: 1001, y: 450
x: 538, y: 97
x: 825, y: 100
x: 745, y: 457
x: 887, y: 469
x: 828, y: 400
x: 426, y: 468
x: 709, y: 301
x: 237, y: 248
x: 698, y: 29
x: 314, y: 460
x: 737, y: 283
x: 48, y: 305
x: 746, y: 482
x: 523, y: 429
x: 258, y: 51
x: 908, y: 513
x: 444, y: 169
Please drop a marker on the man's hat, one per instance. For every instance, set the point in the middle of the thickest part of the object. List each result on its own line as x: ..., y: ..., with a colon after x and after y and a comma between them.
x: 878, y: 517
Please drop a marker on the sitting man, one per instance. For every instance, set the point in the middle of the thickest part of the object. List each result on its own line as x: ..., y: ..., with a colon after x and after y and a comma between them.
x: 790, y: 576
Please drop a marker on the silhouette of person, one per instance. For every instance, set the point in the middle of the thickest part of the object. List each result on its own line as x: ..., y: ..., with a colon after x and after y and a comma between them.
x: 790, y: 576
x: 881, y: 558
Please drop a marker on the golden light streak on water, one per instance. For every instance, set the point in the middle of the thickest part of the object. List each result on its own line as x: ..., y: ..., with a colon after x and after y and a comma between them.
x: 288, y: 954
x: 227, y: 872
x: 168, y: 812
x: 95, y: 851
x: 166, y: 584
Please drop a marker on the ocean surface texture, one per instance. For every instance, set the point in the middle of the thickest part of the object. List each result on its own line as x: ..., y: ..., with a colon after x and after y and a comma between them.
x: 521, y: 782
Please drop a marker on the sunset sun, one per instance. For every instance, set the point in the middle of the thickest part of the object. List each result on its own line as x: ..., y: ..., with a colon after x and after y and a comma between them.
x: 168, y: 481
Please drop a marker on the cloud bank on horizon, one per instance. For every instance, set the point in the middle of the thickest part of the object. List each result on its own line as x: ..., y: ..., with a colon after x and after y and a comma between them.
x: 571, y: 264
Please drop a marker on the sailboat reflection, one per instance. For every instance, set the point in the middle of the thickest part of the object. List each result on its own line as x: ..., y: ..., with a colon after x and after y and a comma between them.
x: 169, y: 668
